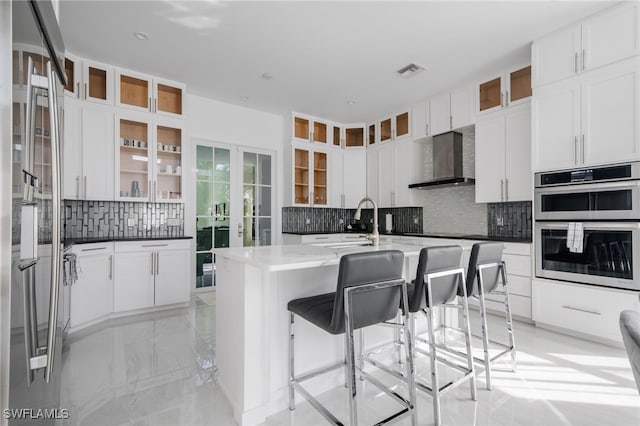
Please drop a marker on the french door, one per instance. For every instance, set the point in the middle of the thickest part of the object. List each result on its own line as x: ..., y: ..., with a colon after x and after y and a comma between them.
x: 234, y: 208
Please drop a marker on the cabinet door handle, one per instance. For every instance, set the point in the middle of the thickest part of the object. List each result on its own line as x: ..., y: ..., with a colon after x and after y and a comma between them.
x: 582, y: 148
x: 77, y: 187
x: 311, y: 200
x: 111, y: 267
x: 150, y: 105
x: 78, y: 90
x: 451, y: 122
x: 157, y: 263
x: 156, y: 106
x: 155, y: 245
x: 155, y: 190
x: 94, y: 249
x: 152, y: 264
x: 501, y: 189
x: 85, y: 188
x: 575, y: 154
x: 427, y: 129
x: 584, y: 54
x: 575, y: 62
x: 86, y: 92
x: 321, y: 238
x: 587, y: 311
x: 506, y: 98
x: 342, y: 200
x: 501, y: 99
x: 148, y: 190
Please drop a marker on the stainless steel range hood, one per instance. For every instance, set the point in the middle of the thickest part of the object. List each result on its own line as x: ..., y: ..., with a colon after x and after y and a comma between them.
x: 447, y: 163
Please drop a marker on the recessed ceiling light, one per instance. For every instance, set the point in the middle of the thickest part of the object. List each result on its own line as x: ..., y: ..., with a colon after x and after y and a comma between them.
x: 141, y: 35
x: 351, y: 102
x: 267, y: 76
x: 244, y: 98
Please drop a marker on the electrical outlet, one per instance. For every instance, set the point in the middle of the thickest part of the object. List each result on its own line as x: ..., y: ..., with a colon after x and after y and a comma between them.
x: 307, y: 221
x: 173, y: 221
x: 499, y: 221
x: 415, y: 220
x: 131, y: 222
x: 340, y: 221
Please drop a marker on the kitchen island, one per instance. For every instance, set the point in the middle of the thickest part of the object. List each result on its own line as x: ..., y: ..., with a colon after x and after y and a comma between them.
x: 254, y: 285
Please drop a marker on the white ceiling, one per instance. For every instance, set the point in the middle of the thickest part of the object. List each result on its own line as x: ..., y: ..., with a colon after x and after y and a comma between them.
x: 321, y: 54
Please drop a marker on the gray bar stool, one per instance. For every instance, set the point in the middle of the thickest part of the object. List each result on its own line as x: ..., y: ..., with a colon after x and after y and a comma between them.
x: 439, y: 279
x: 486, y: 270
x: 369, y: 291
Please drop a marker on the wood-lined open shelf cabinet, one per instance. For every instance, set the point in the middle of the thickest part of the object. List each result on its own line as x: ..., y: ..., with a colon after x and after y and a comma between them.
x: 89, y: 81
x: 511, y: 87
x: 310, y: 177
x: 140, y: 92
x: 149, y: 162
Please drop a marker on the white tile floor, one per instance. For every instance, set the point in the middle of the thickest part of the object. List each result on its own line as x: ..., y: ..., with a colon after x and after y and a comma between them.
x: 159, y: 369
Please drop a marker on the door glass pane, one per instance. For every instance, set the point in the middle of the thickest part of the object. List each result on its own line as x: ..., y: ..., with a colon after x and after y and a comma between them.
x: 264, y: 206
x: 204, y: 270
x: 249, y: 235
x: 221, y: 233
x: 204, y: 198
x: 520, y: 84
x: 588, y: 201
x: 223, y: 165
x: 264, y: 234
x: 265, y: 169
x: 204, y: 233
x: 134, y: 159
x: 169, y: 162
x: 222, y: 195
x: 204, y: 162
x: 249, y: 201
x: 249, y: 167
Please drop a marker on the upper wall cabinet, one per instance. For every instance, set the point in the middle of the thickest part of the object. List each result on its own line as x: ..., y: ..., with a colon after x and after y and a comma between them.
x: 452, y: 110
x: 89, y: 81
x: 141, y: 92
x: 395, y: 127
x: 589, y: 120
x: 337, y: 136
x: 309, y: 129
x: 354, y: 137
x: 602, y: 39
x: 504, y: 90
x: 420, y: 120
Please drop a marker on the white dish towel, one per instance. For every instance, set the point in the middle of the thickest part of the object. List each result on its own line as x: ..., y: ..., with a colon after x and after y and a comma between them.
x: 575, y: 237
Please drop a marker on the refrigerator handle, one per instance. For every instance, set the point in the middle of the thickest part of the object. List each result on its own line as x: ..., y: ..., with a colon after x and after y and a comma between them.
x: 55, y: 231
x: 30, y: 181
x: 30, y: 317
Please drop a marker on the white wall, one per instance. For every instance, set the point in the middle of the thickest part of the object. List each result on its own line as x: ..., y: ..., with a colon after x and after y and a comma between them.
x: 232, y: 125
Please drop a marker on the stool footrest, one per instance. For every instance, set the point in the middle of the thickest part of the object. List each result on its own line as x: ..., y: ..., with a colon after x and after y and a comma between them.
x: 319, y: 371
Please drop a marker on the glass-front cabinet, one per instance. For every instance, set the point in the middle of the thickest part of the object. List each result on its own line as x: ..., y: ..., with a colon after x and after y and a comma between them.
x: 149, y: 159
x: 310, y: 177
x: 354, y: 137
x: 337, y: 136
x: 309, y: 129
x: 511, y: 87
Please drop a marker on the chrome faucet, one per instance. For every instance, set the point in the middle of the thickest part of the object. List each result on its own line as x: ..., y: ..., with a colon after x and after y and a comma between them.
x: 374, y: 236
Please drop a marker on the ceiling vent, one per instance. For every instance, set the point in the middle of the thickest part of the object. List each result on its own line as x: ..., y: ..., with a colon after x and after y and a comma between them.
x: 410, y: 70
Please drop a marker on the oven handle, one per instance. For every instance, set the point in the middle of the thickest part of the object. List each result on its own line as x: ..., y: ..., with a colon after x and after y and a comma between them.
x: 631, y: 226
x: 588, y: 187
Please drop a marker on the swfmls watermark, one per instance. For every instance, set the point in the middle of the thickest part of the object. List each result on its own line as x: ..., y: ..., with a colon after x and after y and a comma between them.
x: 35, y: 413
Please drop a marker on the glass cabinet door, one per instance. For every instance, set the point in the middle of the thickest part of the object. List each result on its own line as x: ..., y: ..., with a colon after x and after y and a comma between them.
x: 372, y: 134
x: 402, y: 125
x: 169, y: 99
x: 319, y: 132
x: 490, y: 94
x: 520, y: 84
x: 98, y: 83
x: 168, y: 162
x: 320, y: 178
x: 134, y: 91
x: 301, y: 176
x: 354, y: 136
x: 133, y: 160
x: 385, y: 130
x: 301, y: 128
x: 337, y: 136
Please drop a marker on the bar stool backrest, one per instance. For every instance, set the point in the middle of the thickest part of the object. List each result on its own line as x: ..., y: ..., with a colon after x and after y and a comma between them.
x: 374, y: 306
x: 443, y: 289
x: 484, y: 253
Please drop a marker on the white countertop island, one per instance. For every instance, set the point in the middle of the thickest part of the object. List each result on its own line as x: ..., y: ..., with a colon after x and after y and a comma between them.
x: 253, y: 287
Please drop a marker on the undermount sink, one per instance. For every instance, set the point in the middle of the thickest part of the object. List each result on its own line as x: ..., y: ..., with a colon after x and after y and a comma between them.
x: 344, y: 244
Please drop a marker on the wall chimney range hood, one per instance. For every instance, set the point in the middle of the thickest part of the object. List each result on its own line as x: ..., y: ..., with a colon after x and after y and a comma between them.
x: 447, y: 163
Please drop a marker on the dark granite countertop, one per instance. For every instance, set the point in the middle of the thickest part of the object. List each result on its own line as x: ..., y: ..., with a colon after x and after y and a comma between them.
x: 441, y: 235
x: 88, y: 240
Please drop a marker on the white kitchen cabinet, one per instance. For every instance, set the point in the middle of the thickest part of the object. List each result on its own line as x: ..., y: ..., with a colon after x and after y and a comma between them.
x: 336, y: 181
x: 88, y: 151
x: 506, y: 89
x: 581, y: 309
x: 397, y: 126
x: 602, y: 39
x: 88, y: 80
x: 311, y: 129
x: 311, y: 168
x: 390, y: 170
x: 149, y: 158
x: 134, y: 280
x: 452, y: 110
x: 588, y: 120
x: 354, y: 184
x: 144, y: 93
x: 440, y: 110
x: 420, y: 120
x: 151, y: 273
x: 172, y: 272
x: 503, y: 156
x: 372, y: 173
x: 92, y: 293
x: 408, y: 168
x: 386, y: 168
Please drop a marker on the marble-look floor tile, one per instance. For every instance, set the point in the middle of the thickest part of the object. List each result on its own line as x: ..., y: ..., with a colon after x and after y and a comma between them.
x: 160, y: 369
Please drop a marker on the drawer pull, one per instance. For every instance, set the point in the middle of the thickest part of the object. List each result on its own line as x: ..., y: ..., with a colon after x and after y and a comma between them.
x: 321, y: 238
x: 581, y: 310
x: 155, y: 245
x: 94, y: 249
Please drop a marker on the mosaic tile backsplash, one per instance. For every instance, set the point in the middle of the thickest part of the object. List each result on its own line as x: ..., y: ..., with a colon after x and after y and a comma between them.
x: 320, y: 220
x: 516, y: 219
x: 84, y: 219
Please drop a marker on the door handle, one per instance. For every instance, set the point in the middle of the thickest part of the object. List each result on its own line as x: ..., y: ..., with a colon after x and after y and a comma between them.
x: 150, y: 105
x: 582, y: 148
x: 501, y: 99
x: 501, y: 189
x: 575, y: 144
x: 111, y: 267
x: 84, y: 188
x: 240, y: 230
x: 587, y: 311
x: 77, y: 187
x: 506, y: 189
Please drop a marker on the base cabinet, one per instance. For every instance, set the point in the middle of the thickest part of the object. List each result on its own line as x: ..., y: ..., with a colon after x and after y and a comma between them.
x: 150, y: 273
x: 582, y: 309
x: 92, y: 293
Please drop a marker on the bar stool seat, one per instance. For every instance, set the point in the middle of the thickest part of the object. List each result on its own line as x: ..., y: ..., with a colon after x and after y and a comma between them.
x: 369, y: 290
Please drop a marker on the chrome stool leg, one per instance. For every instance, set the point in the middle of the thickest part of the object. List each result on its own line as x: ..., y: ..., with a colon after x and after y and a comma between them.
x: 485, y: 335
x: 292, y: 393
x: 435, y: 387
x: 507, y: 306
x: 467, y: 341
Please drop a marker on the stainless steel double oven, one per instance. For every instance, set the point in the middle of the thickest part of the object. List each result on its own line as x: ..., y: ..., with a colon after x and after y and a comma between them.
x: 605, y: 202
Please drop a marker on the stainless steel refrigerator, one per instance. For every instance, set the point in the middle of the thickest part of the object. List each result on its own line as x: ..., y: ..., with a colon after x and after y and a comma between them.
x: 32, y: 296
